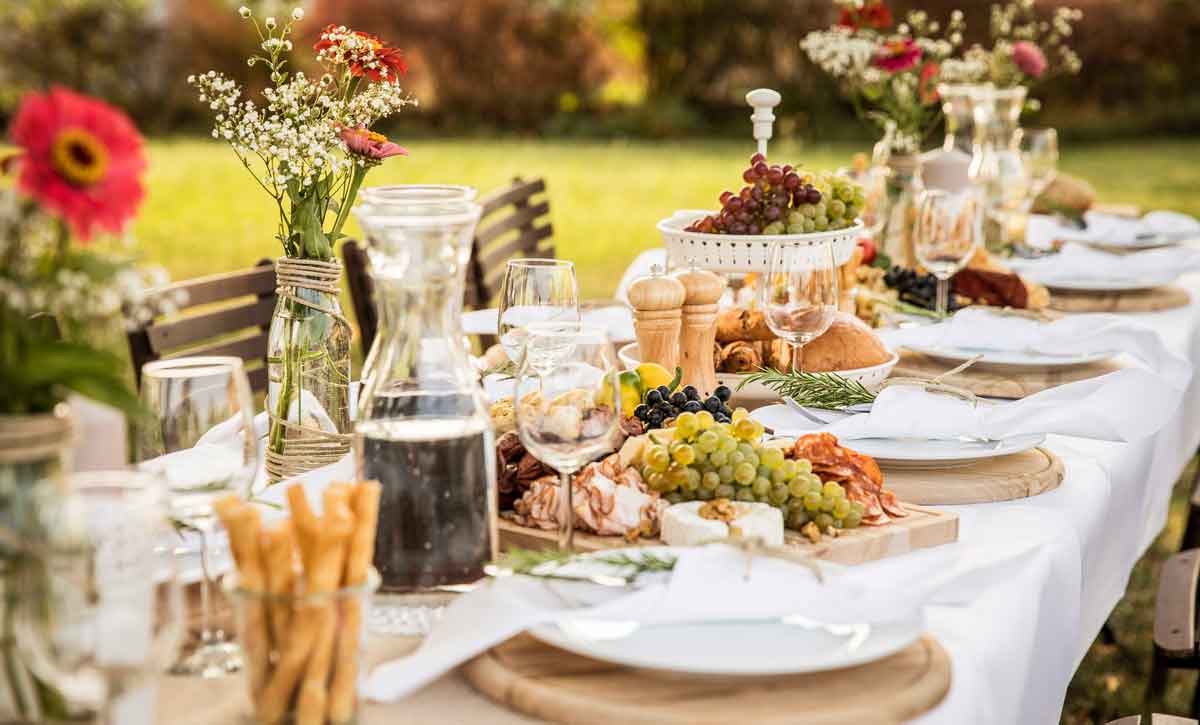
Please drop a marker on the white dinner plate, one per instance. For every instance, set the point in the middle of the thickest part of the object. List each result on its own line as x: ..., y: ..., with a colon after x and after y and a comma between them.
x: 1085, y: 284
x: 617, y: 320
x: 1011, y: 358
x: 787, y: 645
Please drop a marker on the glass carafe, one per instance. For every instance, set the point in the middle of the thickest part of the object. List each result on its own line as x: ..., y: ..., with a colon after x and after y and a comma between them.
x: 998, y: 168
x: 423, y: 429
x: 949, y: 167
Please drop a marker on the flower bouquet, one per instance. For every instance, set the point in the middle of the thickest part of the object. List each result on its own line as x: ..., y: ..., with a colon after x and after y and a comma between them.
x: 889, y: 73
x: 76, y: 175
x: 308, y: 144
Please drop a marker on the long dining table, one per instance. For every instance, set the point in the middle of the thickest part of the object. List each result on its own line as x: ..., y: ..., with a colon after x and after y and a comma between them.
x: 1014, y: 647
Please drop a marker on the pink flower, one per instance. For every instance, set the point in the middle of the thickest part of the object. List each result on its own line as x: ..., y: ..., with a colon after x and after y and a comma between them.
x: 1029, y: 58
x: 370, y: 145
x: 896, y: 55
x: 80, y: 158
x: 927, y: 85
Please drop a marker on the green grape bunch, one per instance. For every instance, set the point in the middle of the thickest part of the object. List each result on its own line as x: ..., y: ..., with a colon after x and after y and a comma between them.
x: 785, y: 200
x: 702, y: 459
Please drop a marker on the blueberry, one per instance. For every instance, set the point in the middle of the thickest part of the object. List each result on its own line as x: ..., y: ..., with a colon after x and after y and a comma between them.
x: 723, y: 392
x: 678, y: 399
x: 691, y: 392
x: 653, y: 397
x: 641, y: 411
x: 664, y: 391
x: 713, y: 405
x: 693, y: 406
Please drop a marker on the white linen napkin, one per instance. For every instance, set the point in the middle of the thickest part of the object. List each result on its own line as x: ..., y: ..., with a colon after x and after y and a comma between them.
x: 977, y: 328
x: 1108, y: 229
x: 708, y: 583
x: 1125, y: 405
x: 1079, y: 263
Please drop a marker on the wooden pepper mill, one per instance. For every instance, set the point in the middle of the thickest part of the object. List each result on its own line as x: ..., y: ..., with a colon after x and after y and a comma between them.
x: 657, y: 303
x: 703, y: 289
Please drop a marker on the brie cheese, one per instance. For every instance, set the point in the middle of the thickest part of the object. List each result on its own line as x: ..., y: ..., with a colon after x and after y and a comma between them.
x: 682, y: 524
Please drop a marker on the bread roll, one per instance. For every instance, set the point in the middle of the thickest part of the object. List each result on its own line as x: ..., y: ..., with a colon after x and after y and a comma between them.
x: 740, y: 357
x: 848, y: 345
x: 736, y: 324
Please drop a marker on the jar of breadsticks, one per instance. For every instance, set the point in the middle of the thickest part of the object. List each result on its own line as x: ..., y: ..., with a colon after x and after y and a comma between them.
x: 302, y: 591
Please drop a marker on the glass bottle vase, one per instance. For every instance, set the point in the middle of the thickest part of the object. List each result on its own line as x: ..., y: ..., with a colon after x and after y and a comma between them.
x: 308, y: 358
x: 422, y: 427
x: 997, y: 168
x: 904, y: 187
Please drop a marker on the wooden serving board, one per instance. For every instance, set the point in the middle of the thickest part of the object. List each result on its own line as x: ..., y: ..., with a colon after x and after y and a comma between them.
x: 921, y: 529
x: 1020, y: 475
x: 1000, y: 381
x: 1154, y: 299
x: 550, y: 684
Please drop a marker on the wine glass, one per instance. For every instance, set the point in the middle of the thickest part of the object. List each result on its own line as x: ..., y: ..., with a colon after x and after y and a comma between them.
x: 568, y: 404
x: 947, y: 230
x: 535, y: 290
x: 799, y: 296
x: 112, y: 613
x: 200, y: 439
x: 1039, y: 152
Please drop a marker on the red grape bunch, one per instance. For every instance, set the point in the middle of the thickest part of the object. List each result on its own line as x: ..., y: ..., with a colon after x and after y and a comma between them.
x: 784, y: 200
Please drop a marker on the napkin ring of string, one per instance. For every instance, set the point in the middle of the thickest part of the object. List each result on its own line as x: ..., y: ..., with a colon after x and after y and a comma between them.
x: 306, y: 447
x: 936, y: 386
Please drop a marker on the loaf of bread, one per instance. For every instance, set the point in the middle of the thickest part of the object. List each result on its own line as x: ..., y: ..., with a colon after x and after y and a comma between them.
x: 848, y: 344
x: 737, y: 323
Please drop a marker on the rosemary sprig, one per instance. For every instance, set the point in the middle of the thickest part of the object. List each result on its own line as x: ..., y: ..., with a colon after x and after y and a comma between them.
x: 507, y: 369
x: 528, y: 562
x: 828, y: 391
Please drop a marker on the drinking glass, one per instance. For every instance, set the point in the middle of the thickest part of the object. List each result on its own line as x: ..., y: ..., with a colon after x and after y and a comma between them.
x: 564, y: 370
x: 1039, y: 151
x: 947, y: 230
x: 799, y: 297
x: 112, y: 615
x: 535, y: 290
x: 200, y: 439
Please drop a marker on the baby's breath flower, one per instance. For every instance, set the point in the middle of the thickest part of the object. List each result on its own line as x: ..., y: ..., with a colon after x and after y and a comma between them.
x: 244, y: 11
x: 269, y: 23
x: 298, y: 14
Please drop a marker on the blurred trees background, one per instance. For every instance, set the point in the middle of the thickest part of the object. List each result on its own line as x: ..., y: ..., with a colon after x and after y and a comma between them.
x: 651, y: 68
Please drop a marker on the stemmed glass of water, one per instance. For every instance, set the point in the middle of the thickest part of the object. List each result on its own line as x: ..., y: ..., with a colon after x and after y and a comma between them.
x: 948, y: 228
x: 799, y: 296
x: 535, y: 290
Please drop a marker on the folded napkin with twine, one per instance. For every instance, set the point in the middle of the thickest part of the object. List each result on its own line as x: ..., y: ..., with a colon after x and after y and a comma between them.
x: 1080, y: 263
x: 977, y: 328
x: 715, y: 582
x: 1125, y: 405
x: 1042, y: 231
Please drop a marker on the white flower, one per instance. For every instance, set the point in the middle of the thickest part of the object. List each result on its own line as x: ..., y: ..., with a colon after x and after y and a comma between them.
x: 270, y: 22
x: 244, y: 11
x: 298, y: 14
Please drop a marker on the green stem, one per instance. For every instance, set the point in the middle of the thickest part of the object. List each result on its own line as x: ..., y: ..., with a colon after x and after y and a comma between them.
x: 356, y: 179
x: 287, y: 383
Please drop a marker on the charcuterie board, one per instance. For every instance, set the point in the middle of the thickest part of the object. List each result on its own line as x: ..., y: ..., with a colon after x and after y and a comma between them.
x: 1005, y: 478
x: 998, y: 381
x: 1153, y: 299
x: 921, y: 529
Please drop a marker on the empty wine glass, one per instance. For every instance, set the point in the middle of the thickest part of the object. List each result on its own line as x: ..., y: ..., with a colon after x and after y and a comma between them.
x: 535, y: 290
x: 1039, y: 152
x: 947, y: 230
x: 112, y: 612
x: 567, y: 403
x: 200, y: 439
x: 799, y: 296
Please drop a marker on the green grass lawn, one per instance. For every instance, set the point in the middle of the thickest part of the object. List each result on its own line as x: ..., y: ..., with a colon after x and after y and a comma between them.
x: 205, y: 214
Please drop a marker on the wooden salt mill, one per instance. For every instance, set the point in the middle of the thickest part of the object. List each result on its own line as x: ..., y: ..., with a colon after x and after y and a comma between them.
x: 703, y: 289
x: 657, y: 303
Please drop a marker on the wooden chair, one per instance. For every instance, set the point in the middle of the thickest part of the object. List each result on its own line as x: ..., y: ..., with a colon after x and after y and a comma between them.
x: 224, y: 314
x: 1155, y: 719
x: 512, y: 224
x: 1175, y: 626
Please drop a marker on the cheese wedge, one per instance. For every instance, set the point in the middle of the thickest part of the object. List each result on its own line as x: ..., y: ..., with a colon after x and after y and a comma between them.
x: 682, y: 524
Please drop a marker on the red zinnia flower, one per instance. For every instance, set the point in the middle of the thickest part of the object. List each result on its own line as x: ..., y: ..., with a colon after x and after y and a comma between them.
x: 871, y: 15
x: 370, y: 145
x: 927, y: 85
x: 897, y: 55
x: 1029, y: 58
x: 80, y: 158
x: 365, y: 54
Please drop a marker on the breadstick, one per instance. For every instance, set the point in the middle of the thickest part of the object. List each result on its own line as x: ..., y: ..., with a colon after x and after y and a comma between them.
x: 244, y: 525
x: 365, y: 504
x: 329, y: 560
x: 304, y: 519
x: 278, y: 555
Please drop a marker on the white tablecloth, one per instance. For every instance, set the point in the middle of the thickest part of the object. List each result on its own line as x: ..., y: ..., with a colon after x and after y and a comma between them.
x: 1015, y: 649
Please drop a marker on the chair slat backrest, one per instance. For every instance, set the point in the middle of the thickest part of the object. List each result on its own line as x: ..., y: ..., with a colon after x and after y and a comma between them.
x: 222, y: 314
x: 512, y: 224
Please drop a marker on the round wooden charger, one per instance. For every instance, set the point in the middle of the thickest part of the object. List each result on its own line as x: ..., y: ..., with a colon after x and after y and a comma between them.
x: 548, y: 683
x: 999, y: 381
x: 1148, y: 300
x: 995, y: 479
